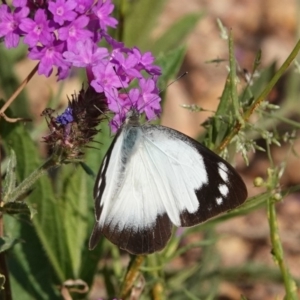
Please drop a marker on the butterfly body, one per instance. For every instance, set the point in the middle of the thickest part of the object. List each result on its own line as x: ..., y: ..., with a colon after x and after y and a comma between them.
x: 154, y: 177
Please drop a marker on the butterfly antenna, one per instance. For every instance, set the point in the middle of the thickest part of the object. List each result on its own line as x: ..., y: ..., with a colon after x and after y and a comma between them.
x: 123, y: 87
x: 176, y: 79
x: 179, y: 77
x: 102, y: 112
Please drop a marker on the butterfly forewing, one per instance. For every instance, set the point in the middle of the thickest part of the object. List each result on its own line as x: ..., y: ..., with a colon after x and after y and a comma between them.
x: 153, y: 177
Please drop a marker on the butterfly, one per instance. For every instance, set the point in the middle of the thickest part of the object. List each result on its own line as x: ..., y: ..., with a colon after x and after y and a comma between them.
x: 153, y: 177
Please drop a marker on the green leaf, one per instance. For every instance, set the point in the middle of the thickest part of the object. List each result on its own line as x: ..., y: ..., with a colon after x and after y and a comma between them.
x: 7, y: 243
x: 87, y: 170
x: 170, y: 64
x: 75, y: 214
x: 265, y: 76
x: 176, y: 34
x: 220, y: 126
x: 26, y: 259
x: 233, y: 81
x: 94, y: 157
x: 13, y: 208
x: 138, y: 23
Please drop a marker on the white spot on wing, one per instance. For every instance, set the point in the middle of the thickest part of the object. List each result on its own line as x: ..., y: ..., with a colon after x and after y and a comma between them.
x: 219, y: 200
x: 223, y: 188
x: 223, y: 171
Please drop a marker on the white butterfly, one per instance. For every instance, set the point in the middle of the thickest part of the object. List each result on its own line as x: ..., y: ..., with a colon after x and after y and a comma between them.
x: 153, y: 177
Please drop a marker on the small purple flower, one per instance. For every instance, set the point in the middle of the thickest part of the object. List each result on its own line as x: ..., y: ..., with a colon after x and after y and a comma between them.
x: 149, y: 100
x: 65, y: 33
x: 103, y: 10
x: 74, y: 32
x: 116, y: 45
x: 49, y: 56
x: 125, y: 66
x: 120, y: 105
x: 63, y: 71
x: 106, y: 79
x: 66, y: 117
x: 145, y: 62
x: 9, y: 24
x: 37, y: 30
x: 63, y: 10
x: 83, y: 5
x: 145, y: 99
x: 19, y: 3
x: 86, y: 53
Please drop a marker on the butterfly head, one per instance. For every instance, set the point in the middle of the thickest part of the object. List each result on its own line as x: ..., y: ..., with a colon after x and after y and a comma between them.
x: 132, y: 117
x: 128, y: 106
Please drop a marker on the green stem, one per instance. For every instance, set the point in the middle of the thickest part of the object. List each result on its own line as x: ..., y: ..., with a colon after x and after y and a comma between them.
x: 158, y: 291
x: 277, y: 250
x: 261, y: 97
x: 131, y: 275
x: 27, y: 183
x: 289, y: 283
x: 233, y: 80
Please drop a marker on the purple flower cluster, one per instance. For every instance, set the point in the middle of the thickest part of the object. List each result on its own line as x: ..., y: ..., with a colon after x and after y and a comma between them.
x: 65, y: 34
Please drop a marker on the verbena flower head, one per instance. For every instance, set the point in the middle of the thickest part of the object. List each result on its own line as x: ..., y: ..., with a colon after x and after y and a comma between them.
x: 76, y: 126
x: 63, y: 34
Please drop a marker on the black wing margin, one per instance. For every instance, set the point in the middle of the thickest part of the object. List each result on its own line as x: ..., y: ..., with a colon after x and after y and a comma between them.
x: 208, y: 194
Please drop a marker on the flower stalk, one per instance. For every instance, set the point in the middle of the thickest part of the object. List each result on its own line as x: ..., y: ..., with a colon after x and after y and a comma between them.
x: 131, y: 275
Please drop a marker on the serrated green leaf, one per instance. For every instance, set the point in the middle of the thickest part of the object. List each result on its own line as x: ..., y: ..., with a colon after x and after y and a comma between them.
x: 42, y: 197
x: 176, y: 34
x: 26, y: 260
x: 75, y: 215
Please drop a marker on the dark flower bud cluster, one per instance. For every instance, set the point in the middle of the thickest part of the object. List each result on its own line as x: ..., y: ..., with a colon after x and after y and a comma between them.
x: 71, y: 131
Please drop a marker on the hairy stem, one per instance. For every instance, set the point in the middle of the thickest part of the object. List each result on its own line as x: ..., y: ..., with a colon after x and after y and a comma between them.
x: 27, y: 183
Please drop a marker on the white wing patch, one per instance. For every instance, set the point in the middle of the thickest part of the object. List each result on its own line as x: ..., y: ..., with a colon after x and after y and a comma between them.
x: 224, y: 190
x: 219, y: 200
x: 223, y: 171
x: 160, y: 175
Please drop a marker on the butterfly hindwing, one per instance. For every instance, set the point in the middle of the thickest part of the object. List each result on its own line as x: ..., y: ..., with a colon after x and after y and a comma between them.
x: 124, y: 214
x: 153, y: 177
